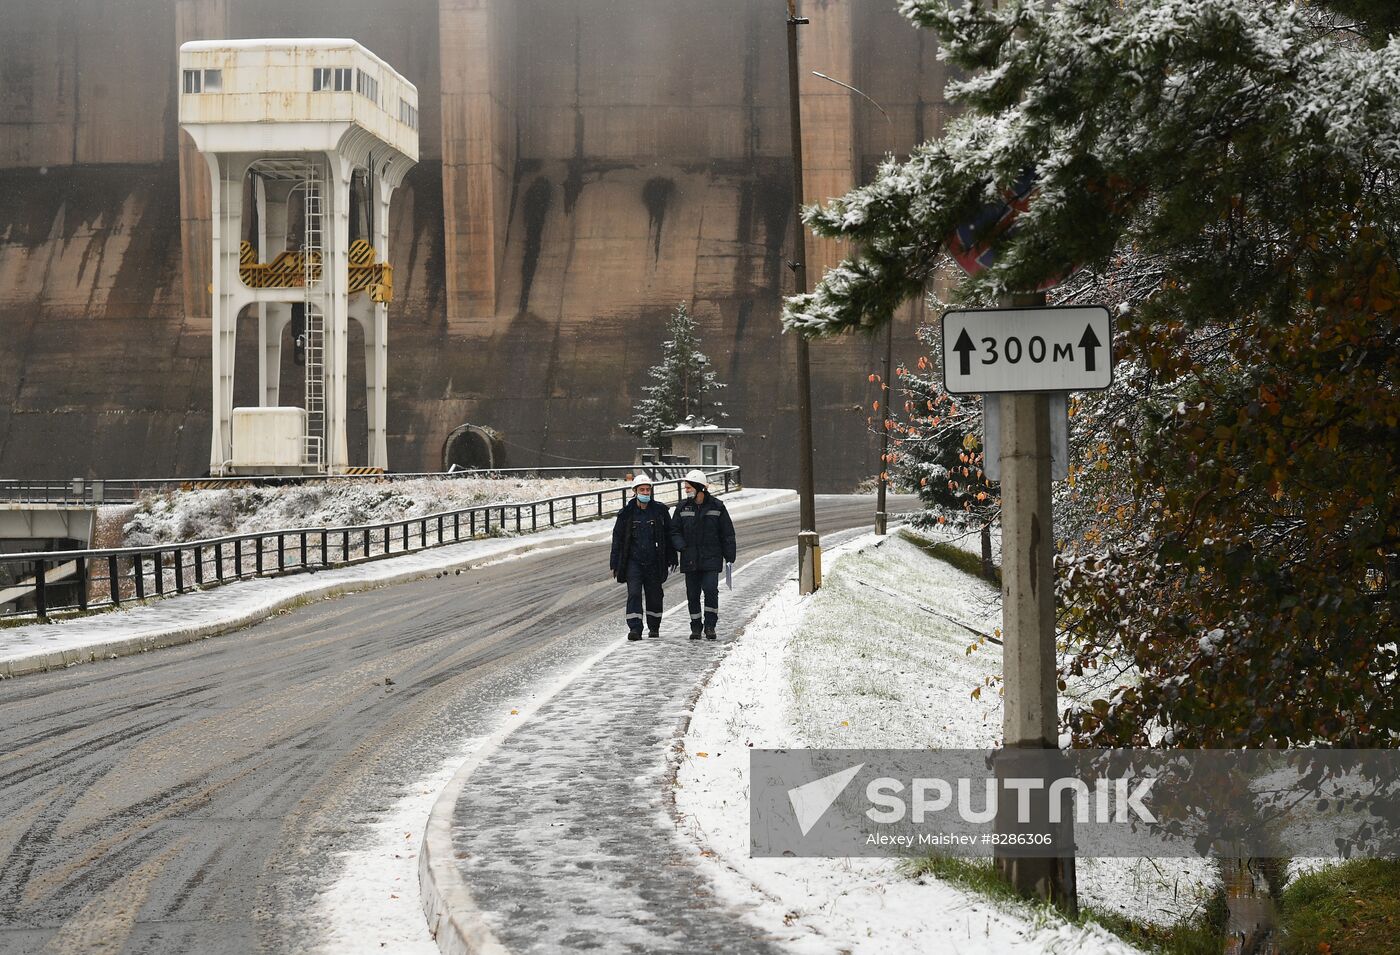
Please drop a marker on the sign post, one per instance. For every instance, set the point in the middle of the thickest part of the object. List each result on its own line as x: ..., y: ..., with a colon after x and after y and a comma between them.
x: 1025, y: 357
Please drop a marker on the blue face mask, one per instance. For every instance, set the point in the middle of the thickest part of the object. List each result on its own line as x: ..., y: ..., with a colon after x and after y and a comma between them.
x: 644, y: 498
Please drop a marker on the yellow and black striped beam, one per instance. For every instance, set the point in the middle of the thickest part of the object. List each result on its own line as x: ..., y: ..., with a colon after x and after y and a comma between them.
x: 288, y: 270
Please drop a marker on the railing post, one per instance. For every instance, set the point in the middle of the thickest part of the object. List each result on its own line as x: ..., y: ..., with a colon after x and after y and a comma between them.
x: 325, y: 554
x: 439, y: 540
x: 179, y: 571
x: 551, y: 512
x: 238, y: 560
x: 405, y: 536
x: 488, y: 523
x: 368, y: 534
x: 41, y: 596
x: 159, y: 572
x: 219, y: 562
x: 456, y: 525
x: 303, y: 548
x: 600, y: 503
x: 82, y: 583
x: 139, y: 572
x: 573, y: 501
x: 257, y: 556
x: 114, y: 583
x: 199, y: 566
x: 534, y: 517
x: 345, y: 547
x: 517, y: 518
x: 281, y: 552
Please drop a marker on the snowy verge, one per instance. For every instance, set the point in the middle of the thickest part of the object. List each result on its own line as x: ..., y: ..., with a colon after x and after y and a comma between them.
x: 186, y: 618
x: 878, y: 658
x: 183, y: 516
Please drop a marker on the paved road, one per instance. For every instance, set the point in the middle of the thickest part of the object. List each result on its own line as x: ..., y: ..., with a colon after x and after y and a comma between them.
x: 194, y: 799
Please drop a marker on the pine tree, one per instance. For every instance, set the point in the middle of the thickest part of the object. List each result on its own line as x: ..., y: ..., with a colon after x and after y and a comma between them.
x: 1228, y: 175
x: 681, y: 384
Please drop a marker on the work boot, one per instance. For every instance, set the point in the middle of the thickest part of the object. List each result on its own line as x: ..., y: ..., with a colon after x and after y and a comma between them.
x: 654, y: 633
x: 709, y: 633
x: 695, y: 633
x: 634, y: 634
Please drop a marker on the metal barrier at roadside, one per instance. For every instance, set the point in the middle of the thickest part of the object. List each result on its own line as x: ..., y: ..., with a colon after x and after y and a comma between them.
x: 81, y: 580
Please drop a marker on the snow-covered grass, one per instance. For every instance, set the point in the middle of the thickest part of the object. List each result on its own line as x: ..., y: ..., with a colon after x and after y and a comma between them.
x: 181, y: 516
x: 887, y: 655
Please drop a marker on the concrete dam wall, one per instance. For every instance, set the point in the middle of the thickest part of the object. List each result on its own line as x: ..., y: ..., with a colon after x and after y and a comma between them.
x: 586, y: 164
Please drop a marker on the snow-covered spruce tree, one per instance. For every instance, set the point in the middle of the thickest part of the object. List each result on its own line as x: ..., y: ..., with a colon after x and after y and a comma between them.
x: 1247, y: 154
x: 680, y: 384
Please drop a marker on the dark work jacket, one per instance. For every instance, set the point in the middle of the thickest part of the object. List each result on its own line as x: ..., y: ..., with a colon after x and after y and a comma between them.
x: 703, y: 534
x: 625, y: 534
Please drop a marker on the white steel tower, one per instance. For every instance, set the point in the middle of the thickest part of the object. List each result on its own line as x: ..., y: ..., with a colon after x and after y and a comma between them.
x: 306, y: 141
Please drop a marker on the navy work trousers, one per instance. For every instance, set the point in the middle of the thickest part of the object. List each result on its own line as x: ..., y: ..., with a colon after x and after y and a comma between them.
x: 643, y: 580
x: 706, y: 583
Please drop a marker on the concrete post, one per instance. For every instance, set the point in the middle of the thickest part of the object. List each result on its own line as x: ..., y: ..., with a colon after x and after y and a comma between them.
x: 336, y: 257
x: 377, y: 337
x: 1030, y: 715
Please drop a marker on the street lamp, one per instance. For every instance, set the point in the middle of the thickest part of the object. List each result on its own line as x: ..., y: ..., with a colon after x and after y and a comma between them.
x: 809, y: 550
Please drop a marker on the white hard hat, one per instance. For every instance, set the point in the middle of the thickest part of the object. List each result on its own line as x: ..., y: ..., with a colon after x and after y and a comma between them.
x: 640, y: 479
x: 698, y: 478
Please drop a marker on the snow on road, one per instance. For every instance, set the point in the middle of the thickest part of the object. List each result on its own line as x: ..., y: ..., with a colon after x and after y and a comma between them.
x: 374, y: 905
x: 878, y: 658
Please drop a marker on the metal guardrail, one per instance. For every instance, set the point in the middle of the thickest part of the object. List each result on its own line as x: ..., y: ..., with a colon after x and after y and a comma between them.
x: 113, y: 576
x: 81, y: 491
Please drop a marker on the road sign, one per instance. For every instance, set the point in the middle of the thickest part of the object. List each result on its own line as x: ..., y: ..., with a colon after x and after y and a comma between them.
x: 1027, y: 349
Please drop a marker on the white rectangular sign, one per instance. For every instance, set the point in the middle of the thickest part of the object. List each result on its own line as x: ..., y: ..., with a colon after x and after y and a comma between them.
x: 1027, y: 349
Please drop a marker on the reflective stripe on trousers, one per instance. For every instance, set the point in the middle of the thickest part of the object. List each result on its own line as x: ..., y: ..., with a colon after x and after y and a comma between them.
x: 643, y: 585
x: 704, y: 582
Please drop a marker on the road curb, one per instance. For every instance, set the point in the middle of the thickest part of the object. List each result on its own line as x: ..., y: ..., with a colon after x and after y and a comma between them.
x: 453, y: 918
x: 176, y: 636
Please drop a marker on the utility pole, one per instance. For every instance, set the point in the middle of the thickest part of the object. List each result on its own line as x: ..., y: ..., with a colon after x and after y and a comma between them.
x: 1030, y: 714
x: 809, y: 551
x: 887, y: 393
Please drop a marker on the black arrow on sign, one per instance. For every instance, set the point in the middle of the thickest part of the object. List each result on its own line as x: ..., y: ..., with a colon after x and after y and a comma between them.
x: 963, y: 346
x: 1088, y: 342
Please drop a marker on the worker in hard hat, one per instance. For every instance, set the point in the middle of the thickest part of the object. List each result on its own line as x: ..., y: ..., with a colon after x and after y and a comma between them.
x: 642, y: 556
x: 703, y: 535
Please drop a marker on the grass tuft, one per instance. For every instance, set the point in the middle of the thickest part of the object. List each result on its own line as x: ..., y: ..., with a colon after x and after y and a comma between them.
x: 1202, y: 936
x: 1347, y: 909
x: 963, y: 560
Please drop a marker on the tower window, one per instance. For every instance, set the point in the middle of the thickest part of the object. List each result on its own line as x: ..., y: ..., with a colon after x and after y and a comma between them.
x: 192, y: 81
x: 366, y: 85
x: 331, y: 78
x: 408, y: 115
x: 213, y: 81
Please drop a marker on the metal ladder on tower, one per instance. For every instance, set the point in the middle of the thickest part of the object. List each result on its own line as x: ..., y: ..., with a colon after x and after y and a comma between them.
x: 312, y: 255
